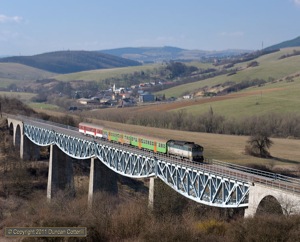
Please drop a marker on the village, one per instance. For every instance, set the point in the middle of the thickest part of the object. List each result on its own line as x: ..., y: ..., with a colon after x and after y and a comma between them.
x: 122, y: 97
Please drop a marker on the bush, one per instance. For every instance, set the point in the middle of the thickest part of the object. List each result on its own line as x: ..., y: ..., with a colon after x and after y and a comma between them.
x: 212, y: 226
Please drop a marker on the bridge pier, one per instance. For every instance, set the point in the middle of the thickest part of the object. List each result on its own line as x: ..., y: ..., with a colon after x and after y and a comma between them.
x: 60, y: 173
x: 151, y: 193
x: 101, y: 179
x: 30, y: 150
x: 163, y: 199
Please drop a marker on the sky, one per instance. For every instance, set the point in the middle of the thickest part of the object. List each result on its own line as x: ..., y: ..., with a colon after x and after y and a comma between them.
x: 29, y: 27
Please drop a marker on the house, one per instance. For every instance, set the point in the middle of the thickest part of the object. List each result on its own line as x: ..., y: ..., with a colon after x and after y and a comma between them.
x: 146, y: 97
x: 187, y: 97
x: 126, y: 102
x: 86, y: 101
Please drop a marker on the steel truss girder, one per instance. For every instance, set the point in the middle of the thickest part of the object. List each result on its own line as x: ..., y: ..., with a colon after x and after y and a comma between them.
x: 204, y: 187
x: 192, y: 182
x: 39, y: 136
x: 125, y: 162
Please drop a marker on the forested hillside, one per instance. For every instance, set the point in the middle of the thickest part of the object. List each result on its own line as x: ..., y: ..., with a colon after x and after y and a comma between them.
x: 168, y: 53
x: 289, y: 43
x: 71, y: 61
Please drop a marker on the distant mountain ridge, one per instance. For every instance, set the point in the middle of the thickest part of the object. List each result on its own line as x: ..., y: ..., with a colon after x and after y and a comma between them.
x: 64, y: 62
x: 167, y: 53
x: 285, y: 44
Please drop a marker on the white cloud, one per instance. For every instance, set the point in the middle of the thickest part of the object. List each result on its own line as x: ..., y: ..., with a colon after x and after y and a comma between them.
x: 10, y: 19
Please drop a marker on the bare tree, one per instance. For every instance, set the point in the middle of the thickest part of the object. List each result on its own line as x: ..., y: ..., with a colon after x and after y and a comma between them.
x: 259, y: 145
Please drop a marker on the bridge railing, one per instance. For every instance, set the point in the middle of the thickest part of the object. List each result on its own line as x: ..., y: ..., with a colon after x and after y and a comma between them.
x: 264, y: 177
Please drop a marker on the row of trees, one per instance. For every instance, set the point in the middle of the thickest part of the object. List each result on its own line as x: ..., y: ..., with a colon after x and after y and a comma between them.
x: 259, y: 128
x: 273, y: 124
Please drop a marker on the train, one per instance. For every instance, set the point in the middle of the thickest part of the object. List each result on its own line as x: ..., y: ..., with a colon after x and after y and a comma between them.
x: 177, y: 148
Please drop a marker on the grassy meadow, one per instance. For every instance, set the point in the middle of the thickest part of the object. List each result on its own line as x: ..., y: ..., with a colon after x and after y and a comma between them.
x: 41, y: 106
x: 23, y: 96
x: 102, y: 74
x: 13, y: 73
x: 26, y: 97
x: 270, y: 66
x: 280, y: 97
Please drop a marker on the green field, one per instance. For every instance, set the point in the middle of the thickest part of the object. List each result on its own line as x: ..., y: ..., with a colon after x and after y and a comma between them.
x: 23, y: 96
x: 43, y: 106
x: 13, y: 73
x: 269, y: 66
x: 26, y: 97
x: 100, y: 75
x: 280, y: 97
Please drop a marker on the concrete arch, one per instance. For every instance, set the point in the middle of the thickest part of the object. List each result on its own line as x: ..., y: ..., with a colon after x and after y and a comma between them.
x: 269, y: 205
x: 284, y: 202
x: 11, y: 129
x: 16, y: 129
x: 17, y: 139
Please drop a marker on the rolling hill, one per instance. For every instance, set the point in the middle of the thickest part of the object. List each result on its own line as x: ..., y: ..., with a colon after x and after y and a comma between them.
x: 278, y: 94
x: 167, y: 53
x: 289, y: 43
x: 14, y: 73
x: 71, y: 61
x: 269, y: 66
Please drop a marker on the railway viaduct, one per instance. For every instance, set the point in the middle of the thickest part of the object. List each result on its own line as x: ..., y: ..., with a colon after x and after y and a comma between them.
x: 215, y: 183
